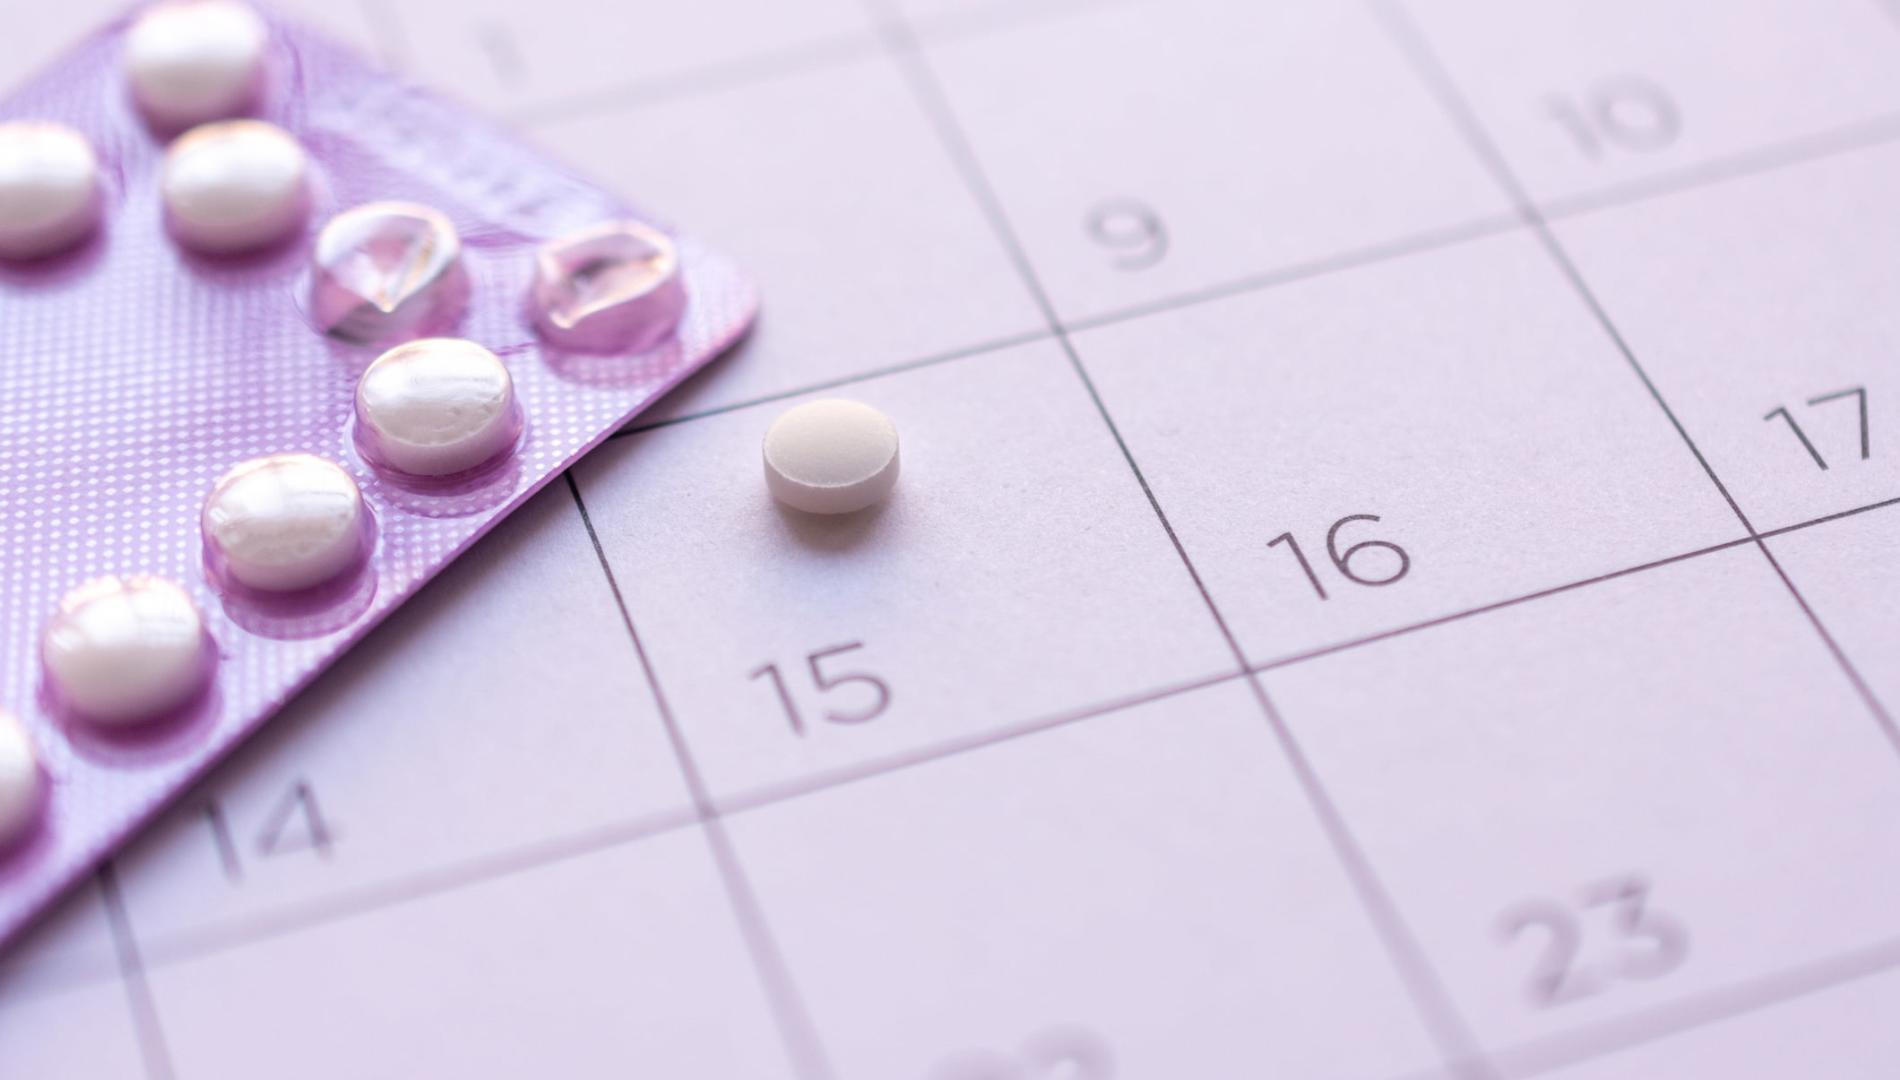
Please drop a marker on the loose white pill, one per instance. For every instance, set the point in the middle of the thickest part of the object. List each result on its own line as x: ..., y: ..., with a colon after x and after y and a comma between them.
x: 235, y: 186
x: 125, y: 650
x: 285, y: 522
x: 193, y: 61
x: 831, y: 457
x: 22, y: 784
x: 49, y: 189
x: 436, y: 407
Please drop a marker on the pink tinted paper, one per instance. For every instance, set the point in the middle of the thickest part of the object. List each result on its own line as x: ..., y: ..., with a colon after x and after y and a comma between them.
x: 135, y: 374
x: 1057, y: 766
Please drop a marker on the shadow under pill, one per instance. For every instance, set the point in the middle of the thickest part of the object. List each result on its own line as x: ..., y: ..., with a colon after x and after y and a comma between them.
x: 833, y: 532
x: 152, y: 742
x: 311, y: 613
x: 54, y: 272
x: 20, y: 854
x: 647, y: 368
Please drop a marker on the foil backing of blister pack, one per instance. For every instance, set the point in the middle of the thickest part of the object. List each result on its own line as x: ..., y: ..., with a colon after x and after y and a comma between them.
x: 134, y: 374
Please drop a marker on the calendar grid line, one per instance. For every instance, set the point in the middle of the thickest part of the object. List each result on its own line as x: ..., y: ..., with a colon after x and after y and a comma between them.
x: 775, y: 794
x: 1422, y: 983
x: 153, y: 1052
x: 837, y: 50
x: 789, y: 1013
x: 1769, y: 534
x: 527, y: 857
x: 1439, y: 82
x: 1548, y: 1053
x: 1492, y: 912
x: 1301, y: 657
x: 440, y: 881
x: 983, y: 348
x: 1741, y: 166
x: 1861, y: 687
x: 532, y: 856
x: 1755, y: 161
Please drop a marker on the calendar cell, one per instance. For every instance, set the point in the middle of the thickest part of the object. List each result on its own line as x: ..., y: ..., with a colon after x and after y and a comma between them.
x: 552, y: 57
x: 831, y: 190
x: 1147, y: 150
x: 1016, y: 572
x: 1610, y: 800
x: 71, y: 943
x: 1846, y: 571
x: 1360, y: 452
x: 1784, y: 385
x: 332, y: 806
x: 1144, y: 893
x: 1842, y: 1032
x: 84, y: 1031
x: 1584, y: 95
x: 417, y: 990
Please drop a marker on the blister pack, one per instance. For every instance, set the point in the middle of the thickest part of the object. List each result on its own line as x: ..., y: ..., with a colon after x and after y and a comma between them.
x: 280, y: 336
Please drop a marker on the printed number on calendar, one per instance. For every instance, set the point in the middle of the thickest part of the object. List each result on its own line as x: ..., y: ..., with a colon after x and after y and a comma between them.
x: 1368, y: 562
x: 1858, y: 394
x: 1072, y: 1053
x: 1131, y: 230
x: 848, y: 696
x: 1608, y: 934
x: 1630, y: 115
x: 295, y: 823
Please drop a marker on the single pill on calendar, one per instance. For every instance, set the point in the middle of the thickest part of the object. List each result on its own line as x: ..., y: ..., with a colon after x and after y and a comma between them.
x: 235, y: 186
x: 123, y: 650
x: 191, y: 61
x: 285, y: 522
x: 49, y: 189
x: 385, y: 271
x: 22, y: 785
x: 831, y: 457
x: 436, y: 407
x: 608, y: 288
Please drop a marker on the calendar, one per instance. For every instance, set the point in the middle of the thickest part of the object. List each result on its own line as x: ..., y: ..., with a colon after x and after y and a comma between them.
x: 1393, y: 579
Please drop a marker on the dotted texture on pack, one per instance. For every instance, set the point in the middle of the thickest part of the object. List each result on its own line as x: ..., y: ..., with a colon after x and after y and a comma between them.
x: 133, y: 374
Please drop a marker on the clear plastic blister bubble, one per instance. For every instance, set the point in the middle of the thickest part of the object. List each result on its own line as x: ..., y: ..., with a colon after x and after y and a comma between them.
x: 283, y: 335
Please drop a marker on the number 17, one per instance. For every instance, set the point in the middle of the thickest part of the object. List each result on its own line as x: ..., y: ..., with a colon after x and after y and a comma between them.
x: 1857, y: 392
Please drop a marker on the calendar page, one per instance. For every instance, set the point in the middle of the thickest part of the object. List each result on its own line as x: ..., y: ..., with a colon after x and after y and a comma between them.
x: 1394, y: 578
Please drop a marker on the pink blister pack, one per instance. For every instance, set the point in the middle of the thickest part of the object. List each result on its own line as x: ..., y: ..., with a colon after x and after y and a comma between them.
x: 140, y: 373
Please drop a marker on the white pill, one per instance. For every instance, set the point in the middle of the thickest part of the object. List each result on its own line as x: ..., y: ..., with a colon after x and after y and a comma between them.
x: 436, y: 407
x: 285, y: 522
x: 831, y: 457
x: 193, y: 61
x: 22, y: 784
x: 49, y: 189
x: 235, y: 186
x: 125, y: 650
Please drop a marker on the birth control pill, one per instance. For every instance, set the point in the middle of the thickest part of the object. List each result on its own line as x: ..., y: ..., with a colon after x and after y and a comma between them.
x: 284, y: 523
x: 235, y: 186
x: 22, y: 785
x: 49, y: 189
x: 831, y: 456
x: 123, y: 650
x: 192, y: 61
x: 436, y: 407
